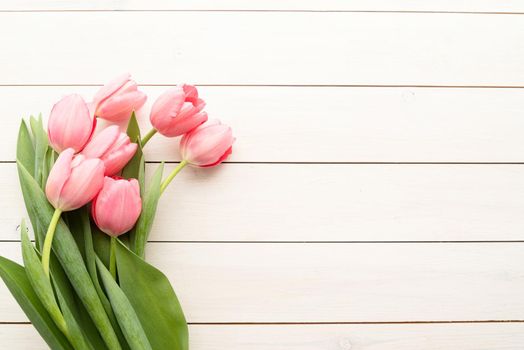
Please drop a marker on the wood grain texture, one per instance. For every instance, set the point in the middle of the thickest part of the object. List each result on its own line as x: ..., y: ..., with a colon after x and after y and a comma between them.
x: 314, y: 5
x: 271, y: 282
x: 311, y: 124
x: 300, y: 202
x: 242, y: 48
x: 500, y: 336
x: 286, y: 240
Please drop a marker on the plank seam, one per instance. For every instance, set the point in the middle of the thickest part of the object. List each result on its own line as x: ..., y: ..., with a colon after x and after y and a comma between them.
x: 326, y: 163
x: 318, y: 323
x: 270, y: 11
x: 287, y: 85
x: 315, y: 242
x: 348, y: 323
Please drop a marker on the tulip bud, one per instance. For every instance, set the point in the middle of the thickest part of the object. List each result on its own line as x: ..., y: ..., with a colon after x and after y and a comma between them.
x: 116, y: 100
x: 113, y: 147
x: 178, y: 111
x: 117, y: 207
x: 208, y: 145
x: 74, y: 180
x: 70, y: 124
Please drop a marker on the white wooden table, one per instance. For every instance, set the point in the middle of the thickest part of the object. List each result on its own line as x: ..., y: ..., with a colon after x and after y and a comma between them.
x: 375, y: 196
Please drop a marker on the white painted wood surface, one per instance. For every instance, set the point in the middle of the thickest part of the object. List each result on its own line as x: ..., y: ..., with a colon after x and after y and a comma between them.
x: 511, y: 6
x: 263, y: 48
x: 387, y: 203
x: 326, y: 337
x: 315, y: 90
x: 281, y: 124
x: 324, y: 282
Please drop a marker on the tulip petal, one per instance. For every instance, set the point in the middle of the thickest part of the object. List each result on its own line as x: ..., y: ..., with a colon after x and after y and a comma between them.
x: 191, y: 93
x: 58, y: 176
x: 117, y: 207
x: 129, y: 86
x: 207, y: 145
x: 83, y: 184
x: 70, y: 124
x: 169, y: 102
x: 119, y: 107
x: 166, y: 109
x: 117, y: 160
x: 186, y: 124
x: 111, y: 87
x: 101, y: 143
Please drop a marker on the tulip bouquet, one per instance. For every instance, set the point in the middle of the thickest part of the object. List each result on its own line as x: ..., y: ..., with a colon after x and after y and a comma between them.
x: 85, y: 283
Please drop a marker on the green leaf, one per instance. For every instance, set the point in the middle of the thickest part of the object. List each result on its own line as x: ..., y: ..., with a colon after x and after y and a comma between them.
x: 41, y: 144
x: 101, y: 243
x: 49, y: 161
x: 39, y: 281
x: 82, y: 216
x: 133, y: 129
x: 153, y: 299
x: 76, y: 335
x: 135, y: 168
x: 136, y: 164
x: 145, y: 221
x: 67, y: 252
x: 76, y: 228
x: 66, y: 322
x: 142, y: 176
x: 16, y: 280
x: 74, y: 313
x: 25, y: 151
x: 127, y: 318
x: 90, y: 256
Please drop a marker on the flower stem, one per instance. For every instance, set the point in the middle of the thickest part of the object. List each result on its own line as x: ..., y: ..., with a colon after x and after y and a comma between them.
x: 148, y: 136
x: 46, y: 251
x: 172, y: 175
x: 112, y: 258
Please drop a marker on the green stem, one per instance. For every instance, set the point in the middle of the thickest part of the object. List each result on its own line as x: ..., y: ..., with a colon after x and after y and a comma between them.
x: 148, y: 136
x: 171, y: 176
x: 112, y: 258
x: 46, y: 251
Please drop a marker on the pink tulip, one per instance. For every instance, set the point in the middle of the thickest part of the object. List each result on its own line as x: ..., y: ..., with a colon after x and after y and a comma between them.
x: 113, y: 147
x: 208, y: 145
x: 116, y: 100
x: 178, y: 111
x: 118, y: 205
x: 74, y: 180
x: 70, y: 124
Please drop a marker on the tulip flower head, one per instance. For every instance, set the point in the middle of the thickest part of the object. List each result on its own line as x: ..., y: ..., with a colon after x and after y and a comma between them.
x: 70, y: 124
x: 113, y: 147
x: 116, y: 100
x: 74, y: 180
x: 208, y: 145
x: 178, y: 111
x: 117, y: 207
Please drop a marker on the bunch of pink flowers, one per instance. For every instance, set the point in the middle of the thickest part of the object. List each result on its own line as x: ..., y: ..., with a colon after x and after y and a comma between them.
x: 86, y: 187
x: 88, y: 166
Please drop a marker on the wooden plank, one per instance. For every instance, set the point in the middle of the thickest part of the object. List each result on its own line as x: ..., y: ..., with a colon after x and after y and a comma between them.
x: 263, y: 48
x: 281, y: 5
x: 285, y: 124
x: 242, y: 202
x: 321, y: 282
x: 491, y: 336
